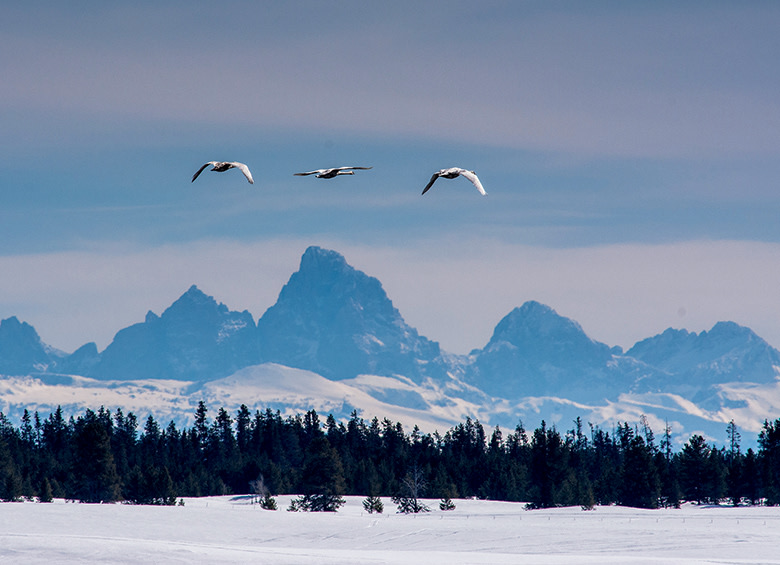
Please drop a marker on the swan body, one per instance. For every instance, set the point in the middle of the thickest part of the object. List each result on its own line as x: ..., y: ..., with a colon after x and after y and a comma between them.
x: 334, y: 172
x: 222, y: 166
x: 453, y: 172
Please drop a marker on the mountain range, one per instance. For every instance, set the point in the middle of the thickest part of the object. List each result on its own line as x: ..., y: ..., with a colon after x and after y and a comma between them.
x: 335, y: 329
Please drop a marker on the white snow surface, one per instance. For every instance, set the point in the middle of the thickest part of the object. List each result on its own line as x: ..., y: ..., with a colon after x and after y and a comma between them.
x: 232, y: 530
x: 293, y: 391
x: 429, y: 406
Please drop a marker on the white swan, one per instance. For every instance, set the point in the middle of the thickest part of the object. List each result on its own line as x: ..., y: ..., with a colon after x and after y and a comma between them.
x: 222, y: 166
x: 453, y: 172
x: 334, y: 172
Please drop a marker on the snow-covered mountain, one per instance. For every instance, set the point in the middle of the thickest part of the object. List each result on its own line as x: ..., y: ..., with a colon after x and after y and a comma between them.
x: 194, y: 339
x: 334, y: 324
x: 337, y: 321
x: 22, y: 351
x: 727, y: 353
x: 536, y: 352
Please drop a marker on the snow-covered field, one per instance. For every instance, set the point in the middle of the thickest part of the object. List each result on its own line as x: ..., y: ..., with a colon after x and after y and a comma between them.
x: 231, y: 530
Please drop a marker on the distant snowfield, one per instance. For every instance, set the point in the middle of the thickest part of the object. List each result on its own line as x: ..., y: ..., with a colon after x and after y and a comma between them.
x: 231, y: 530
x: 430, y: 407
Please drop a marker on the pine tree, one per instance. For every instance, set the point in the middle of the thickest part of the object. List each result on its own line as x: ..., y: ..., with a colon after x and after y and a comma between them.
x: 734, y: 480
x: 446, y: 504
x: 10, y: 479
x: 322, y: 477
x: 243, y: 429
x: 45, y: 494
x: 667, y: 471
x: 751, y: 477
x: 201, y: 428
x: 701, y: 471
x: 639, y: 478
x: 268, y: 502
x: 692, y: 462
x: 95, y: 476
x: 373, y: 504
x: 769, y: 456
x: 549, y: 467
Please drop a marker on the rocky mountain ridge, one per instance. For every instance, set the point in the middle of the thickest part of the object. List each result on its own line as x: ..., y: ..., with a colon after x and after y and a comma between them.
x: 335, y: 321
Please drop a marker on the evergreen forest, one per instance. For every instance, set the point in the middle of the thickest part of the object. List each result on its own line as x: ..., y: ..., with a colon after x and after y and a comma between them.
x: 102, y: 456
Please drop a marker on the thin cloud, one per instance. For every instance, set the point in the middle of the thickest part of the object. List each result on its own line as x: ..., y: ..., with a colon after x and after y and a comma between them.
x: 629, y: 82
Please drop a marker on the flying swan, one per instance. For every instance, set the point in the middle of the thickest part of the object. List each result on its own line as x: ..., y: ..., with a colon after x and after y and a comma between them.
x: 222, y: 166
x: 453, y: 172
x: 334, y: 172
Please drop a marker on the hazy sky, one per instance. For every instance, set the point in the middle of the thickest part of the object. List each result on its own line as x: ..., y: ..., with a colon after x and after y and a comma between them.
x: 631, y: 155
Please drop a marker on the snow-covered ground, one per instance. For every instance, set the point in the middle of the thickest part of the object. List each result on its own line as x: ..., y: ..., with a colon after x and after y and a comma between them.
x: 231, y: 530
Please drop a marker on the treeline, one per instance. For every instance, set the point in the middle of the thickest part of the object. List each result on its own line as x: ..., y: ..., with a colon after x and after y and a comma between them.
x: 102, y: 456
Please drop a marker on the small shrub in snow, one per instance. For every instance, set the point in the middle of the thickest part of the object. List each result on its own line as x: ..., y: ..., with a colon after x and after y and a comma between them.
x: 446, y: 504
x: 268, y: 502
x: 373, y: 504
x: 316, y: 503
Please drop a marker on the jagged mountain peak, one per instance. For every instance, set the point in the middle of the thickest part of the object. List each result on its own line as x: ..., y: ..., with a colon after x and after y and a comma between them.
x: 195, y: 338
x: 534, y: 320
x: 21, y: 348
x: 194, y: 300
x: 536, y: 351
x: 12, y: 322
x: 731, y: 330
x: 536, y: 330
x: 320, y: 259
x: 672, y: 342
x: 727, y: 352
x: 195, y: 295
x: 324, y: 274
x: 336, y: 320
x: 325, y: 286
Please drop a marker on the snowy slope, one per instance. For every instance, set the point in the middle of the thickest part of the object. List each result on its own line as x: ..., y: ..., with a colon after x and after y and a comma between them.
x: 292, y: 391
x: 231, y: 530
x: 431, y: 407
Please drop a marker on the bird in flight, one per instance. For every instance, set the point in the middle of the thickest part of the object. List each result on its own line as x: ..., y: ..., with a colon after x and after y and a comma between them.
x: 453, y: 172
x: 334, y: 172
x: 222, y: 166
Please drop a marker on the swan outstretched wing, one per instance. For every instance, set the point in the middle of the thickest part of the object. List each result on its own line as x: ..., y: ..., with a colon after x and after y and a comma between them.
x: 430, y: 182
x: 471, y: 175
x: 331, y: 170
x: 244, y: 169
x: 201, y: 170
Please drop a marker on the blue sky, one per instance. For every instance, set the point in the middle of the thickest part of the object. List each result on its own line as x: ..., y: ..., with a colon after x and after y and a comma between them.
x: 631, y: 155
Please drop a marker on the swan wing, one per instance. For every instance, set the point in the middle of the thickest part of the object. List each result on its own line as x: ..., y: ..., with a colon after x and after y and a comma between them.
x: 309, y: 173
x: 430, y: 182
x: 201, y: 170
x: 244, y: 169
x: 471, y: 175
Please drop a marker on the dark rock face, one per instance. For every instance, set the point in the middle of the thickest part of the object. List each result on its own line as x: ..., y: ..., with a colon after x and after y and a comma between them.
x: 194, y: 339
x: 536, y: 352
x: 21, y: 349
x: 727, y: 353
x: 337, y: 321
